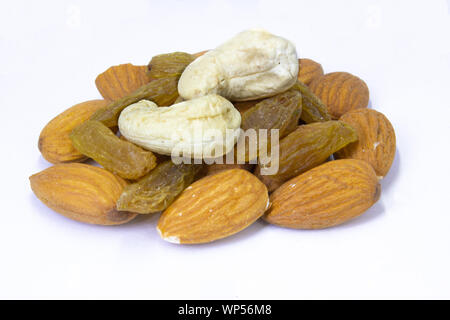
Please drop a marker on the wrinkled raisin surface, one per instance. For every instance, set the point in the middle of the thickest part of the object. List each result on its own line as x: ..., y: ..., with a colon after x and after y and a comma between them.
x: 158, y: 189
x: 95, y: 140
x: 168, y: 65
x: 281, y: 112
x: 307, y: 147
x: 162, y: 89
x: 313, y: 108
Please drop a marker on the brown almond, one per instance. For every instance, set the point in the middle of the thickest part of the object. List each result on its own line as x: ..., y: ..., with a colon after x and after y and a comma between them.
x: 309, y: 70
x: 199, y: 54
x: 81, y: 192
x: 54, y: 142
x: 376, y: 143
x: 119, y: 81
x: 214, y: 207
x: 217, y: 167
x: 325, y: 196
x: 341, y: 92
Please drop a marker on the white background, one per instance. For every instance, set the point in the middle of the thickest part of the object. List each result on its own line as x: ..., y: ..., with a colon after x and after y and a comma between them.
x: 50, y: 54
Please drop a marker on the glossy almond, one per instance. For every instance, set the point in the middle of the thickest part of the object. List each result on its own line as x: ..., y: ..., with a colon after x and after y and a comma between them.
x: 309, y: 70
x: 118, y: 81
x: 81, y: 192
x: 54, y: 142
x: 325, y: 196
x: 214, y: 207
x: 376, y: 143
x: 341, y: 92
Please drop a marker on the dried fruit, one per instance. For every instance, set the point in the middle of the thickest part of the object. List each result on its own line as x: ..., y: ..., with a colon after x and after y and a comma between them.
x: 309, y: 70
x: 168, y: 65
x: 376, y: 143
x: 341, y: 92
x: 162, y: 91
x: 121, y: 157
x: 254, y: 64
x: 81, y: 192
x: 214, y: 207
x: 195, y: 128
x: 243, y: 106
x: 119, y: 81
x: 54, y: 142
x: 313, y: 110
x: 308, y: 146
x: 280, y: 112
x: 157, y: 190
x: 328, y: 195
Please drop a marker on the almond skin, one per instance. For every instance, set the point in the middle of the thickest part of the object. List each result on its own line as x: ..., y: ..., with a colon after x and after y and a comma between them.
x: 325, y: 196
x: 376, y: 144
x: 309, y: 70
x: 81, y: 192
x: 214, y: 207
x: 199, y: 54
x: 341, y: 92
x: 54, y: 142
x: 215, y: 168
x: 119, y: 81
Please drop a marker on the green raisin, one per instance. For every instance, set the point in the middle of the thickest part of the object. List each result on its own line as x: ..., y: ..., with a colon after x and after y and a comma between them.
x: 95, y: 140
x: 281, y: 111
x: 158, y: 189
x: 162, y: 91
x: 162, y: 88
x: 307, y: 147
x: 313, y: 108
x: 168, y: 65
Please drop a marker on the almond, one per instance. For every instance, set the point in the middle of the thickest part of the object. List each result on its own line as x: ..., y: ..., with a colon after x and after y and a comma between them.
x: 81, y: 192
x: 309, y: 70
x: 199, y: 54
x: 216, y: 167
x: 376, y: 143
x: 214, y: 207
x: 325, y: 196
x: 341, y: 92
x: 119, y: 81
x: 54, y: 142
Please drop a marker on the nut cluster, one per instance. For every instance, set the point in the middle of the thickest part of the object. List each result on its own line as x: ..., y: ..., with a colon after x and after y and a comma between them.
x: 333, y: 150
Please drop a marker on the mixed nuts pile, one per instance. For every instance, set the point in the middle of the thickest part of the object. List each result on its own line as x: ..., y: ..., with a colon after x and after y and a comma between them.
x: 151, y: 115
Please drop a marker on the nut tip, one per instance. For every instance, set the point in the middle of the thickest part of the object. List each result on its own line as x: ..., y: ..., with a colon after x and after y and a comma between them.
x: 171, y: 239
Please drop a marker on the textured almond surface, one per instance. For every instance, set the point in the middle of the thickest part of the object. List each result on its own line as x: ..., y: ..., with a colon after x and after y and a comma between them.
x: 341, y: 92
x: 118, y: 81
x: 54, y: 142
x: 214, y: 207
x: 199, y: 54
x: 325, y: 196
x: 309, y: 70
x: 215, y: 168
x: 376, y: 143
x: 81, y: 192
